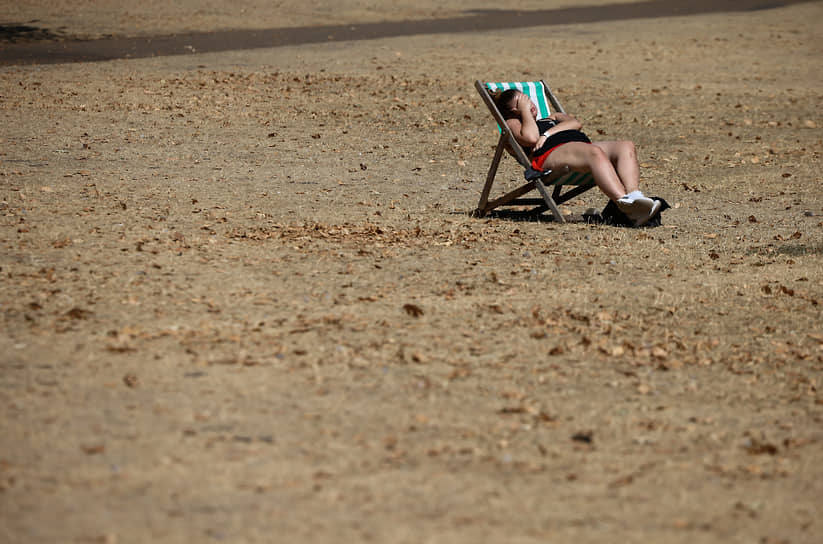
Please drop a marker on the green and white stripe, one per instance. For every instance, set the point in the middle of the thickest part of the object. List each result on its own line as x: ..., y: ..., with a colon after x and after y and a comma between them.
x: 533, y: 89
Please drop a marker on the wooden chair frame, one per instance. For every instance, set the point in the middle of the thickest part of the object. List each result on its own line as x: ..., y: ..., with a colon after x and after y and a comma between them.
x: 535, y: 178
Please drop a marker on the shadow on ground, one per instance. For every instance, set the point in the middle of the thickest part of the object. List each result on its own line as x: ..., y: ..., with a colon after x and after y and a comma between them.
x: 24, y: 32
x: 113, y: 47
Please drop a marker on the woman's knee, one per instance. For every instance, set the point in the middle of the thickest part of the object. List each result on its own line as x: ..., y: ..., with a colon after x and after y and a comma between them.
x: 628, y: 148
x: 595, y: 154
x: 618, y: 149
x: 589, y: 158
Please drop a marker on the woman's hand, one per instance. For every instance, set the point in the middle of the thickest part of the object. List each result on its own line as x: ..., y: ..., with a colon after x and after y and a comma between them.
x: 560, y: 117
x: 524, y: 104
x: 524, y: 127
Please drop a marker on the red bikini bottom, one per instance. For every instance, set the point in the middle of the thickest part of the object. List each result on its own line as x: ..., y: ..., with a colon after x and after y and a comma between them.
x: 553, y: 142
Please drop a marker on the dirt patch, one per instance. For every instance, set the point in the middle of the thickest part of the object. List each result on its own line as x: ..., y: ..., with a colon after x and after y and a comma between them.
x: 243, y: 295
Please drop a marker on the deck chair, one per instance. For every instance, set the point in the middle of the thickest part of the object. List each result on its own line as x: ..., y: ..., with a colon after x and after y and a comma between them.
x: 544, y: 99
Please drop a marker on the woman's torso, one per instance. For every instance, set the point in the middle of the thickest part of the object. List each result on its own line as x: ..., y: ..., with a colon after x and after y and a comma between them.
x: 558, y: 138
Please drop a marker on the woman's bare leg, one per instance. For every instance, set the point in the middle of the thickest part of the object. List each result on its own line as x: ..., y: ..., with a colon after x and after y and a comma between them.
x: 623, y: 157
x: 614, y: 167
x: 582, y: 157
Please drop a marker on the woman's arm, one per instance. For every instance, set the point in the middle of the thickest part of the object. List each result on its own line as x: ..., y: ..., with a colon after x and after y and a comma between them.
x: 524, y: 128
x: 567, y: 120
x: 564, y: 122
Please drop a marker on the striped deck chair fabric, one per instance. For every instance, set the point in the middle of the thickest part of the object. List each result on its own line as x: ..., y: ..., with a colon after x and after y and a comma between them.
x: 533, y: 89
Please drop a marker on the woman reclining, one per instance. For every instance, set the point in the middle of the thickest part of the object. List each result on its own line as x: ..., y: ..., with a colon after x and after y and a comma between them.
x: 556, y: 143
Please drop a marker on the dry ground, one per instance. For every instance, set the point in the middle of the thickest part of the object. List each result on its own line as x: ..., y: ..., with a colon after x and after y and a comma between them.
x: 243, y: 299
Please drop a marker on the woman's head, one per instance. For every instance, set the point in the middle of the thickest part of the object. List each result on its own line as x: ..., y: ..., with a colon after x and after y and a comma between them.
x: 507, y: 104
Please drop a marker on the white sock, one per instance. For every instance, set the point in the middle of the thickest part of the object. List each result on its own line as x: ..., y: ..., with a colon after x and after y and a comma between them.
x: 631, y: 197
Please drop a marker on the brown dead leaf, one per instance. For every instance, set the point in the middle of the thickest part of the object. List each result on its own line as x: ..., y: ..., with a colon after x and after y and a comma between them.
x: 659, y: 353
x: 604, y: 316
x: 670, y: 365
x: 586, y: 437
x: 63, y: 242
x: 390, y: 442
x: 459, y: 373
x: 413, y: 310
x: 758, y: 447
x: 419, y: 358
x: 228, y: 361
x: 121, y: 342
x: 545, y: 417
x: 644, y: 388
x: 519, y: 409
x: 622, y: 481
x: 78, y: 313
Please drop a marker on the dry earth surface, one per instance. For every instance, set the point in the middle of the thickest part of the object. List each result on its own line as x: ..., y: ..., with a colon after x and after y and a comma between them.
x: 243, y: 299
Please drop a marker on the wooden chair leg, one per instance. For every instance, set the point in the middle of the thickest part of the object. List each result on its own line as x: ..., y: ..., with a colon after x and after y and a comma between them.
x: 484, y: 196
x: 549, y: 201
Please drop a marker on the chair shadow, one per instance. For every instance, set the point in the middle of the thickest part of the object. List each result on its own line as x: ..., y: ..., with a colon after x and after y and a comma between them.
x: 522, y: 216
x: 532, y: 216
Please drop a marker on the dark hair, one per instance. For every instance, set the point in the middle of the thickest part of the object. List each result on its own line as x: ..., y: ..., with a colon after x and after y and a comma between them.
x: 504, y: 104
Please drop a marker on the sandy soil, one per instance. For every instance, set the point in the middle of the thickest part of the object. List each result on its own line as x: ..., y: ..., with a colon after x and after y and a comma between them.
x: 243, y: 299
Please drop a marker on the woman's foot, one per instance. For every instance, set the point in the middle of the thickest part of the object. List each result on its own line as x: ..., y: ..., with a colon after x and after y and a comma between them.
x: 640, y: 209
x: 652, y: 213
